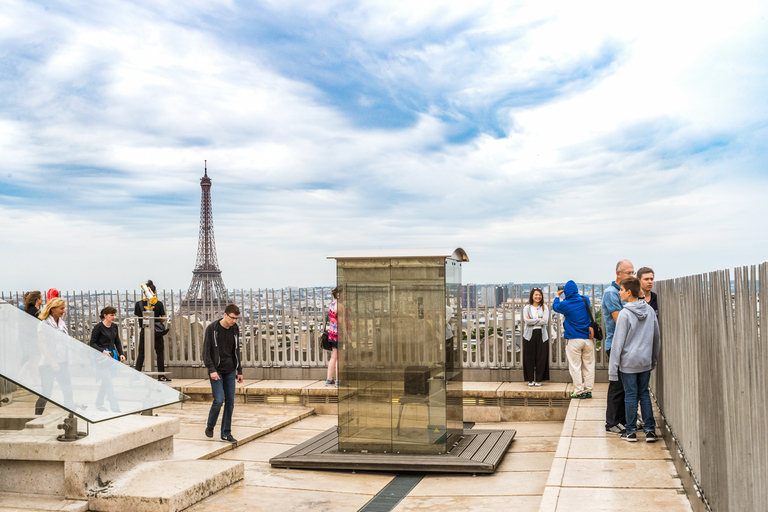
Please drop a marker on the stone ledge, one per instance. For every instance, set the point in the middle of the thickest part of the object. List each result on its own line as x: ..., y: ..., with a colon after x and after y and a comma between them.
x: 104, y: 440
x: 166, y: 486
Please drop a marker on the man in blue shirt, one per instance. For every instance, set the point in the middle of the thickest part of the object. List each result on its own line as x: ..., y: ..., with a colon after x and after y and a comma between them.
x: 580, y: 347
x: 615, y: 417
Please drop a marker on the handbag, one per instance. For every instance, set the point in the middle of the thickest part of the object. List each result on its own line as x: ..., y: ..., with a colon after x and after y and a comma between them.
x: 160, y: 329
x: 325, y: 343
x: 597, y: 331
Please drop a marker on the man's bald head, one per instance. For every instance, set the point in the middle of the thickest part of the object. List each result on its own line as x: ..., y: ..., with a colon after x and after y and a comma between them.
x: 624, y: 269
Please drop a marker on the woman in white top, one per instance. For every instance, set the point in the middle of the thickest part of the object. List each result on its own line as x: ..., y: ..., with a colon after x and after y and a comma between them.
x: 535, y: 337
x: 54, y: 360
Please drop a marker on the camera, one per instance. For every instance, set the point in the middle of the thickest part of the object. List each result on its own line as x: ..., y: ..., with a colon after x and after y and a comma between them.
x: 560, y: 288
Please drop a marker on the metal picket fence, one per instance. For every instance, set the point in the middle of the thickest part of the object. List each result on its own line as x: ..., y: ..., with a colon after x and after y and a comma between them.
x: 711, y: 383
x: 281, y: 328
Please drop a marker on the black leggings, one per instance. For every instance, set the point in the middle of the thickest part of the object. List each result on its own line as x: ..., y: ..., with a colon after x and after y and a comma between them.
x: 159, y: 350
x: 535, y: 358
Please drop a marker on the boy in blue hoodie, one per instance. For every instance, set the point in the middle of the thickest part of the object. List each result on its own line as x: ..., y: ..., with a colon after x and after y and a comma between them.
x: 579, y: 348
x: 635, y: 350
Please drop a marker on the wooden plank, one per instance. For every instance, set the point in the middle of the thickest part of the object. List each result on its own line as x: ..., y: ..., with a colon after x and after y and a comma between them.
x: 500, y: 448
x: 321, y: 452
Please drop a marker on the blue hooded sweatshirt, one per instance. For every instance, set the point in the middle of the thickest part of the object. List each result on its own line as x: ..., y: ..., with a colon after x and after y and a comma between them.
x: 576, y: 316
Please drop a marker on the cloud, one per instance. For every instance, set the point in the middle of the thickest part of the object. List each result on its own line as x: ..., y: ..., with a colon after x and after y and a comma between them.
x: 545, y: 140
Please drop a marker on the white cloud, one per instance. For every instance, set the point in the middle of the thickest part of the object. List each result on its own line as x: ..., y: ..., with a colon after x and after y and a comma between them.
x: 624, y: 132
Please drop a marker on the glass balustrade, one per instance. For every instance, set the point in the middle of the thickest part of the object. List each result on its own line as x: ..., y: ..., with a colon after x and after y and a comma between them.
x: 71, y: 374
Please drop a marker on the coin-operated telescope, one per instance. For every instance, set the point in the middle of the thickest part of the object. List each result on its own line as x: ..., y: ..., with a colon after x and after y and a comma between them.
x: 149, y: 295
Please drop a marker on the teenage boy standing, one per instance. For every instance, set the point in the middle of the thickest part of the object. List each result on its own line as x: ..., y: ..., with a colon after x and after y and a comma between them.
x: 221, y: 355
x: 635, y: 350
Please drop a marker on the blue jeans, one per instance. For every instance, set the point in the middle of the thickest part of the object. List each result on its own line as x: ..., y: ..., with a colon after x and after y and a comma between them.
x: 223, y: 393
x: 636, y: 389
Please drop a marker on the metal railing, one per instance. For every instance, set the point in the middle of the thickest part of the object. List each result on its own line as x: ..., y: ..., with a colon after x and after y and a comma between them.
x: 281, y: 328
x: 711, y: 383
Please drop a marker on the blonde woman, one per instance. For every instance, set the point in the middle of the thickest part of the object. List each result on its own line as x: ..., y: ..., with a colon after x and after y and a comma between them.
x: 54, y: 360
x: 535, y: 337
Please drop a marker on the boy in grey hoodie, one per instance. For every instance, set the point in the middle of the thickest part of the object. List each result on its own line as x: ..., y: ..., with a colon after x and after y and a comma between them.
x: 635, y: 350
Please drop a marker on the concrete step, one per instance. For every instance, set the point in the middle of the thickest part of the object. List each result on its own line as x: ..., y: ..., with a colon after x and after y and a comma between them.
x: 12, y: 501
x: 165, y: 486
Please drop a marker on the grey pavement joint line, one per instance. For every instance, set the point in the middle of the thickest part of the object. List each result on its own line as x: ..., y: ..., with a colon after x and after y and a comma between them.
x: 393, y: 493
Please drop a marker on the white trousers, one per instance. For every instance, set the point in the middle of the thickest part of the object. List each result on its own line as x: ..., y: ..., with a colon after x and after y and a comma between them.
x: 581, y: 364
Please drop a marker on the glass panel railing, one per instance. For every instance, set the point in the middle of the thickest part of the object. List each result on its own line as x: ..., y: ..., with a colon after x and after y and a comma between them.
x: 71, y: 374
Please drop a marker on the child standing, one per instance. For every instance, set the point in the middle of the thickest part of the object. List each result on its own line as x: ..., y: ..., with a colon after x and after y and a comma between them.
x: 635, y: 350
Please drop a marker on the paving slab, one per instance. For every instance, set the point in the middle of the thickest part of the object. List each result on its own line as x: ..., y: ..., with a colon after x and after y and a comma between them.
x: 11, y: 501
x: 526, y: 461
x: 615, y: 473
x: 621, y: 500
x: 497, y: 484
x: 536, y: 428
x: 590, y: 413
x: 278, y: 387
x: 256, y: 451
x: 364, y: 482
x: 534, y: 444
x: 468, y: 504
x: 196, y: 431
x: 615, y: 448
x: 242, y: 497
x: 523, y: 390
x: 292, y: 436
x: 316, y: 422
x: 480, y: 389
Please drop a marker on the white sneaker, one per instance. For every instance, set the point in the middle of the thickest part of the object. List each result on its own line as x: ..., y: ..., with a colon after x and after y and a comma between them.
x: 530, y: 383
x: 537, y: 384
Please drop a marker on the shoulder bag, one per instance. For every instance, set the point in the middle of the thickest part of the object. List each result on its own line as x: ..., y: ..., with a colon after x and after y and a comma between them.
x: 597, y: 331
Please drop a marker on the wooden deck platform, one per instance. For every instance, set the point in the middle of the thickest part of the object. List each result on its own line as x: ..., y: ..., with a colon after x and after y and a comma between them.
x: 477, y: 451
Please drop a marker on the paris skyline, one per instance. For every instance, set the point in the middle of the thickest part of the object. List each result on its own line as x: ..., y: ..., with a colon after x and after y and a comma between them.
x: 546, y: 141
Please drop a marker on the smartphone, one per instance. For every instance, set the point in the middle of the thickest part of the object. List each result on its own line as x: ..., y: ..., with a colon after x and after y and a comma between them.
x: 560, y: 288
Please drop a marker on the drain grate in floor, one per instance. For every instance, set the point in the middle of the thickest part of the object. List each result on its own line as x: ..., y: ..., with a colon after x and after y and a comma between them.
x: 394, y: 492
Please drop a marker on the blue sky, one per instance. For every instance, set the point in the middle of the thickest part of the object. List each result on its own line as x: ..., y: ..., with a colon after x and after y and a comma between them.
x: 548, y: 141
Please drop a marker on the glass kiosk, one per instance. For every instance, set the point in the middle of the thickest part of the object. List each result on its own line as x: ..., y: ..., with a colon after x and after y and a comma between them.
x: 399, y: 322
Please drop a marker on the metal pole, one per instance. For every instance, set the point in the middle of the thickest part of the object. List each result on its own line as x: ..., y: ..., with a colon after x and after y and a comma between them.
x: 149, y: 339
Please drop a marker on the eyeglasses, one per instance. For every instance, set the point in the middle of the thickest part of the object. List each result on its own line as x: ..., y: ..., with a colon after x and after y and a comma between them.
x: 627, y: 272
x: 233, y: 317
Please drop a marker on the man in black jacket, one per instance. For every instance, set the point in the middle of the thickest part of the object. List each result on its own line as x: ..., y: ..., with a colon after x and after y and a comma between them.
x: 221, y: 355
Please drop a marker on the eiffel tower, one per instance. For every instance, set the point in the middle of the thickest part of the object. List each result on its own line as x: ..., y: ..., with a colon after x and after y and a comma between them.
x: 207, y: 289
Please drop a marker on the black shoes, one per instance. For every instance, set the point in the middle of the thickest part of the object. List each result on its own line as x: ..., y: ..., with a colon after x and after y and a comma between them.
x: 650, y: 437
x: 632, y: 438
x: 228, y: 439
x: 208, y: 431
x: 163, y: 378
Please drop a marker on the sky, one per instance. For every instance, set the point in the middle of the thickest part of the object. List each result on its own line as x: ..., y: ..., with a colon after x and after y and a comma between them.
x: 547, y: 139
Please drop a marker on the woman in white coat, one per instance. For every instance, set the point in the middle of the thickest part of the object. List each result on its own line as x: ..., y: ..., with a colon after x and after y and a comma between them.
x: 535, y: 337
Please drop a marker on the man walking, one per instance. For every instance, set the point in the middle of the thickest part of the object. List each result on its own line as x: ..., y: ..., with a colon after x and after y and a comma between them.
x: 615, y: 418
x: 221, y: 355
x: 636, y: 346
x: 579, y: 348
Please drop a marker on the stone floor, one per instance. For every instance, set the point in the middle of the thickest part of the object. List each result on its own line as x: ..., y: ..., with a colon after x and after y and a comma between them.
x: 518, y: 482
x: 596, y: 471
x: 551, y: 466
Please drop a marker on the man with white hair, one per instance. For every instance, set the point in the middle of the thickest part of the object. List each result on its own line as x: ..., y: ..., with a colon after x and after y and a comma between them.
x: 615, y: 418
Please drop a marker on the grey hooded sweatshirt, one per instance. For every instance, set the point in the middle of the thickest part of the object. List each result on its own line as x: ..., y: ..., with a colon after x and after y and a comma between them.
x: 636, y: 341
